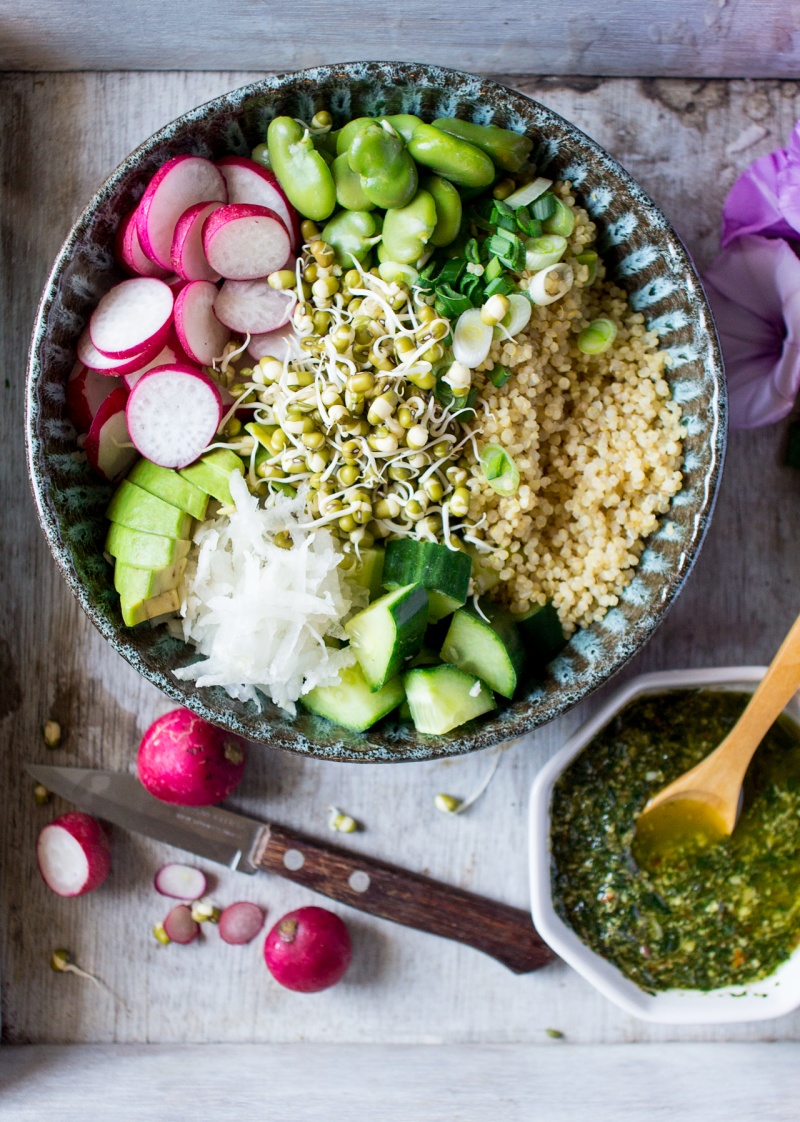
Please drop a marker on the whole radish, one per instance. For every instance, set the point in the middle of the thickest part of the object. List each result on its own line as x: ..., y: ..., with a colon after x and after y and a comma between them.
x: 73, y: 854
x: 185, y: 760
x: 308, y: 950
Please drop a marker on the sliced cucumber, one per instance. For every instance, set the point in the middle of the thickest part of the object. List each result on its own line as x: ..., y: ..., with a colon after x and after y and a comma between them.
x: 443, y: 572
x: 443, y: 697
x: 493, y: 651
x: 351, y: 702
x: 369, y: 573
x: 389, y: 632
x: 542, y: 635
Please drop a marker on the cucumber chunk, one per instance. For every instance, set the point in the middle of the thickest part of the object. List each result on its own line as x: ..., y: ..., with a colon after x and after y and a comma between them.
x: 493, y: 651
x: 443, y: 697
x: 542, y: 635
x: 369, y: 573
x: 351, y: 702
x: 389, y: 632
x: 443, y: 572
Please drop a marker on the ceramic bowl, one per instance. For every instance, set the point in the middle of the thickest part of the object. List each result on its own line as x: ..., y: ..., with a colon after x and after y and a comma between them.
x: 758, y: 1001
x: 643, y: 253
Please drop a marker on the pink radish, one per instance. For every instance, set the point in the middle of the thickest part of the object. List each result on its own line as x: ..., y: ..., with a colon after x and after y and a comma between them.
x: 253, y: 307
x: 182, y: 882
x: 244, y: 242
x: 241, y: 922
x: 187, y: 256
x: 201, y: 334
x: 280, y: 344
x: 91, y: 357
x: 129, y: 252
x: 179, y: 925
x: 185, y: 760
x: 170, y: 353
x: 108, y: 444
x: 133, y: 316
x: 177, y: 185
x: 86, y: 391
x: 73, y: 854
x: 308, y: 950
x: 173, y: 413
x: 249, y: 182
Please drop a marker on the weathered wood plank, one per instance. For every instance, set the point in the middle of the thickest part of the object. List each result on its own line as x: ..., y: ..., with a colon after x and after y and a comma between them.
x: 713, y: 38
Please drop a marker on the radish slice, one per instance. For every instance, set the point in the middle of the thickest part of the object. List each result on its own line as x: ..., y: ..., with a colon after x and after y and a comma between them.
x: 173, y: 413
x: 249, y: 182
x: 200, y: 333
x: 129, y: 252
x: 170, y: 353
x: 280, y: 344
x: 179, y: 925
x: 131, y: 317
x: 182, y: 882
x: 91, y: 357
x: 241, y: 922
x: 244, y: 242
x: 108, y: 443
x: 187, y: 256
x: 472, y: 338
x: 73, y: 854
x: 177, y: 185
x: 253, y: 307
x: 86, y: 391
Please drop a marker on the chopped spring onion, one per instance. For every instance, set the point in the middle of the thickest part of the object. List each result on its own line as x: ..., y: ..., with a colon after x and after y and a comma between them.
x: 499, y: 286
x: 561, y: 221
x: 530, y: 226
x: 597, y: 337
x: 451, y: 303
x: 499, y: 470
x: 544, y: 206
x: 544, y: 251
x: 516, y: 318
x: 472, y: 339
x: 550, y: 284
x: 394, y: 271
x: 499, y: 375
x: 493, y: 270
x: 472, y: 251
x: 590, y: 258
x: 524, y: 196
x: 508, y: 248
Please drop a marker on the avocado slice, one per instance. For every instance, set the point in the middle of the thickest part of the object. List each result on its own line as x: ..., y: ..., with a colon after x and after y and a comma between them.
x: 137, y: 611
x: 138, y: 588
x: 139, y: 510
x: 211, y: 473
x: 166, y: 484
x: 144, y: 551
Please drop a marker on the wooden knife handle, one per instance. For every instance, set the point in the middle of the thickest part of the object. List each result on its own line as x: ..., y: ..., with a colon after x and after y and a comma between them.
x: 396, y: 894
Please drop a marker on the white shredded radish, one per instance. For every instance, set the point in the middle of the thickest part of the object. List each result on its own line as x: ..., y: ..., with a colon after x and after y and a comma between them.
x: 132, y: 316
x: 249, y: 182
x: 259, y: 614
x: 177, y: 185
x: 199, y: 331
x: 253, y: 307
x: 181, y: 882
x: 472, y: 338
x: 173, y: 413
x: 244, y: 242
x: 241, y: 922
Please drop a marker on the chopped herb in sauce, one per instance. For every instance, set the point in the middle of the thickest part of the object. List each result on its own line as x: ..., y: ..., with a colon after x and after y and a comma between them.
x: 727, y: 915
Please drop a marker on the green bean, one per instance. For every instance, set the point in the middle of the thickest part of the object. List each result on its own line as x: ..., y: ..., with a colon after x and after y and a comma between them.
x: 407, y: 230
x: 507, y: 149
x: 352, y: 233
x: 349, y: 192
x: 388, y: 175
x: 300, y: 169
x: 448, y: 209
x: 451, y: 157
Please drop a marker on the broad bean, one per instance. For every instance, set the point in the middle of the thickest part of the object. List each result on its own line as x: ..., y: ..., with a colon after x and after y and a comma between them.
x: 451, y: 157
x: 509, y: 150
x: 407, y: 230
x: 403, y: 124
x: 388, y: 174
x: 347, y: 134
x: 301, y: 170
x: 448, y: 209
x: 352, y: 233
x: 349, y: 192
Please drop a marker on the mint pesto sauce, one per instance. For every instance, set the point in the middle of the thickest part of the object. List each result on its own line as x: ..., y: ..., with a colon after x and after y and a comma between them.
x: 727, y: 915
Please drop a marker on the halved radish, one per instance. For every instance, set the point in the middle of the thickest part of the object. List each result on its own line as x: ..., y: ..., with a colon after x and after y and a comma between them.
x: 253, y: 307
x: 73, y: 854
x: 249, y: 182
x: 173, y: 413
x: 241, y: 922
x: 187, y: 255
x: 95, y: 360
x: 132, y: 316
x: 181, y: 882
x: 108, y: 444
x: 177, y: 185
x: 200, y: 333
x: 280, y: 344
x: 171, y: 352
x: 244, y: 242
x: 179, y: 925
x: 86, y: 391
x: 129, y: 252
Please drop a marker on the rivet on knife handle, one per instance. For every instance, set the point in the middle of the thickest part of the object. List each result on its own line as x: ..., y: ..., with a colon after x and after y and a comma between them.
x: 396, y: 894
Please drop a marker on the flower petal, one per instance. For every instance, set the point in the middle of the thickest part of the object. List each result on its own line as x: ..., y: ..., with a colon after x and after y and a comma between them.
x: 755, y: 203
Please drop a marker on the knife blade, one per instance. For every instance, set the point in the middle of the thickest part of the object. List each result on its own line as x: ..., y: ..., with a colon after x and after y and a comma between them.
x: 248, y: 845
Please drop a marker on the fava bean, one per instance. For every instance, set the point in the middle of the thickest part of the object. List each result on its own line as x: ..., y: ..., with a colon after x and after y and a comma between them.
x: 407, y: 230
x: 448, y: 209
x: 388, y: 174
x: 301, y: 171
x: 261, y: 155
x: 352, y: 233
x: 349, y: 192
x: 451, y: 157
x: 509, y: 150
x: 347, y: 134
x: 403, y: 124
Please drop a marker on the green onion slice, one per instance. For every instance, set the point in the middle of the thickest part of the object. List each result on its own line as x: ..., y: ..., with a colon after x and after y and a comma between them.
x: 597, y: 337
x: 499, y: 470
x: 543, y: 207
x: 472, y: 251
x: 561, y: 221
x: 499, y: 375
x: 590, y: 258
x: 544, y: 251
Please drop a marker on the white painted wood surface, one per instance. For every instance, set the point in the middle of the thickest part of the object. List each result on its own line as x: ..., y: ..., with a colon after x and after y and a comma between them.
x: 59, y: 135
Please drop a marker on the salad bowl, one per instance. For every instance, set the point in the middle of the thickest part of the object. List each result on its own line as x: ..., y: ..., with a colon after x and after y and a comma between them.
x: 641, y: 252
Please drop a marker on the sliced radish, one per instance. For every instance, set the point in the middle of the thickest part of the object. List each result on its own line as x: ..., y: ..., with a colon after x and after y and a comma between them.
x: 200, y: 333
x: 187, y: 255
x: 249, y: 182
x: 182, y: 882
x: 171, y: 352
x: 253, y: 307
x: 95, y: 360
x: 244, y: 242
x: 86, y: 391
x: 241, y: 922
x: 129, y: 252
x: 73, y: 854
x: 108, y: 444
x: 173, y: 413
x: 133, y: 316
x: 179, y: 925
x: 177, y: 185
x: 280, y: 344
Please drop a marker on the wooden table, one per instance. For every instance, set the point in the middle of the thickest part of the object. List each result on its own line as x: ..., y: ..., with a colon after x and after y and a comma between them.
x: 685, y: 140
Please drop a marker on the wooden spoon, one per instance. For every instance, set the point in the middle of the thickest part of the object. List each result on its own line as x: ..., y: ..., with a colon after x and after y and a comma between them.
x: 702, y: 806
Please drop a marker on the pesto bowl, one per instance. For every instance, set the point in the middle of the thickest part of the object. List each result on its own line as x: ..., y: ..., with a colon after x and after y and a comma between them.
x: 642, y: 253
x: 773, y: 996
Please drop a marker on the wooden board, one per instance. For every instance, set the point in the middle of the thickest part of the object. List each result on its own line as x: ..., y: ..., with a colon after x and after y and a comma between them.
x: 59, y: 135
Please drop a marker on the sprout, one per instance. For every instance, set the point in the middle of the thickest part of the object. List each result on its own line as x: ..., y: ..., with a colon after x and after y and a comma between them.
x: 449, y: 804
x: 61, y: 963
x: 52, y: 734
x: 343, y: 823
x: 204, y: 912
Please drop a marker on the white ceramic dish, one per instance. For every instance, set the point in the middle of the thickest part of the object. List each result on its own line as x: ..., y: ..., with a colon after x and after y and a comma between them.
x: 771, y: 997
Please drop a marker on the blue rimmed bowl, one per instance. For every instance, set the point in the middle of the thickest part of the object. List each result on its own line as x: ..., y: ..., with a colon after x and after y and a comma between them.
x: 644, y: 255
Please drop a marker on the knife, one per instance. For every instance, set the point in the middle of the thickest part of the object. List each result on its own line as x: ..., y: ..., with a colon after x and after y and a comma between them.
x: 247, y: 846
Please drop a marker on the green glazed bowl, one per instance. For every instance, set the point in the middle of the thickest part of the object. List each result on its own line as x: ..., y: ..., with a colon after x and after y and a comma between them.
x: 644, y: 255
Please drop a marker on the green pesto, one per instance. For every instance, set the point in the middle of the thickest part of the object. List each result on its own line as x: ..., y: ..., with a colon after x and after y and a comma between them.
x: 724, y: 916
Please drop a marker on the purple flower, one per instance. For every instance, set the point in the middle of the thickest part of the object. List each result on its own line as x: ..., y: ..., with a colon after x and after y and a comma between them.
x: 765, y: 199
